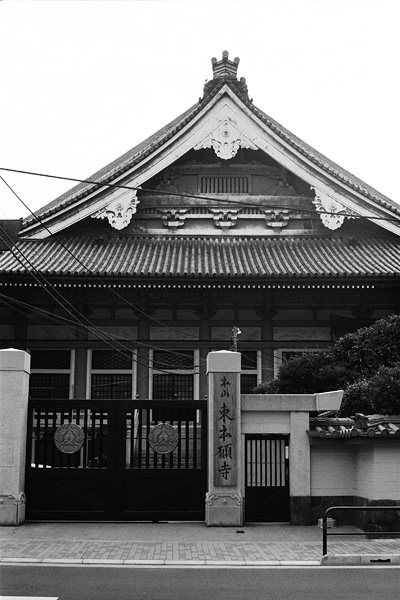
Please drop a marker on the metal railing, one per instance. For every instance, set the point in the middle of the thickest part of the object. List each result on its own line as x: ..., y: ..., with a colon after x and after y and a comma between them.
x: 364, y: 533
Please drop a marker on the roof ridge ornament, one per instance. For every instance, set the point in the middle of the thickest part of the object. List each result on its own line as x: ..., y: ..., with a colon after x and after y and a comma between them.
x: 225, y: 68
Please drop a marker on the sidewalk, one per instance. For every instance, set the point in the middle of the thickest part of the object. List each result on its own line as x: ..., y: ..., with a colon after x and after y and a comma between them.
x: 185, y: 544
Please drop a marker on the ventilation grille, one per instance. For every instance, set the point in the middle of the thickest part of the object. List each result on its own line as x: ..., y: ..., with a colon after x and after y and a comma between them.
x: 224, y: 185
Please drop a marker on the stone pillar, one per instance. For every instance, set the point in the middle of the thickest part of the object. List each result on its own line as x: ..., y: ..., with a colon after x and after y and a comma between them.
x: 300, y: 469
x: 14, y: 385
x: 224, y: 501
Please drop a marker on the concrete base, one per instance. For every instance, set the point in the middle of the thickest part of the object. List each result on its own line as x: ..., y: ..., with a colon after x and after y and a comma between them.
x: 224, y: 510
x: 330, y: 523
x: 12, y: 509
x: 335, y: 560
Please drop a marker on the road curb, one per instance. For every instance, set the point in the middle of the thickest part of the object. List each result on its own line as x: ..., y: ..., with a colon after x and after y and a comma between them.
x: 360, y: 559
x: 160, y: 562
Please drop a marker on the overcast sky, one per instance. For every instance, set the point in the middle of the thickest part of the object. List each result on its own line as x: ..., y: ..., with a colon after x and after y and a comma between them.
x: 82, y: 82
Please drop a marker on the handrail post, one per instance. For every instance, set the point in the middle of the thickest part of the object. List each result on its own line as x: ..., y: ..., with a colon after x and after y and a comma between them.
x: 325, y: 531
x: 352, y: 508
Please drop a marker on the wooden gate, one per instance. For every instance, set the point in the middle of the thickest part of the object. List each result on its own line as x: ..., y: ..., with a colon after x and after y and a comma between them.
x: 267, y: 478
x: 116, y: 460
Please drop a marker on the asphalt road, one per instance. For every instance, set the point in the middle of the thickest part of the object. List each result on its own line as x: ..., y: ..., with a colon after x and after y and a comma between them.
x: 279, y: 583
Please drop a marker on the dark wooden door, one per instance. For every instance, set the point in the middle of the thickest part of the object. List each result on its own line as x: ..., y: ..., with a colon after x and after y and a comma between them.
x: 267, y: 478
x: 115, y: 473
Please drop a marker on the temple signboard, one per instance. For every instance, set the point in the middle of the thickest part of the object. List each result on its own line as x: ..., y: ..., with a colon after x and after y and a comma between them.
x: 225, y: 429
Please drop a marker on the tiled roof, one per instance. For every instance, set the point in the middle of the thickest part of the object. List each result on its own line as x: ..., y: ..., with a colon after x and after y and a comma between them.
x: 145, y: 148
x: 361, y: 426
x: 214, y: 257
x: 118, y: 166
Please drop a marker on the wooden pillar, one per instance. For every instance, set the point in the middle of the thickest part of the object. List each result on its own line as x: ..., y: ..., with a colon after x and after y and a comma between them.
x: 224, y: 501
x: 142, y: 388
x: 205, y: 335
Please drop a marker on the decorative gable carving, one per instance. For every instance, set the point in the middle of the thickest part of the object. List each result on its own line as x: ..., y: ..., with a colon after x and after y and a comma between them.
x: 225, y: 219
x: 277, y: 218
x: 173, y: 218
x: 332, y: 213
x: 120, y: 211
x: 226, y: 141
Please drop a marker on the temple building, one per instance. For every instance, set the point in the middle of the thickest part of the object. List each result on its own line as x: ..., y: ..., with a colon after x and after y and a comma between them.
x: 221, y: 222
x: 221, y: 231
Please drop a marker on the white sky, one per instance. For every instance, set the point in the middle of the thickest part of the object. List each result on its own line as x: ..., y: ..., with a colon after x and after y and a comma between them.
x: 82, y: 82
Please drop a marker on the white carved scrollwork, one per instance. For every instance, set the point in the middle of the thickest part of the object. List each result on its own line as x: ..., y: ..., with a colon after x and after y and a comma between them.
x: 120, y: 211
x: 225, y: 219
x: 174, y: 218
x: 332, y: 213
x: 226, y: 141
x: 277, y: 218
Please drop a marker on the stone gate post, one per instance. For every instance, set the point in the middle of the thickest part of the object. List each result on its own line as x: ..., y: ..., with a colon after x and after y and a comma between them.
x: 224, y: 502
x: 14, y: 384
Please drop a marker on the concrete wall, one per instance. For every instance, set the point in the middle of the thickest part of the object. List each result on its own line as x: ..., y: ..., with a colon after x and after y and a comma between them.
x: 333, y: 470
x: 366, y: 471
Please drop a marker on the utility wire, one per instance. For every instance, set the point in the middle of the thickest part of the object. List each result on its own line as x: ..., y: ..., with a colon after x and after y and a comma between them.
x: 111, y: 289
x: 47, y: 286
x: 99, y: 184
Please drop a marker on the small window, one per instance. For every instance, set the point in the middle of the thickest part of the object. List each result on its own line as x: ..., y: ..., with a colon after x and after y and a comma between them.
x: 174, y: 375
x: 51, y: 374
x: 249, y: 376
x: 112, y: 375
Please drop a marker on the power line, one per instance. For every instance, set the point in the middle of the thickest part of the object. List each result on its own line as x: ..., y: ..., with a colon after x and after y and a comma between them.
x: 47, y: 286
x: 99, y: 184
x: 111, y: 289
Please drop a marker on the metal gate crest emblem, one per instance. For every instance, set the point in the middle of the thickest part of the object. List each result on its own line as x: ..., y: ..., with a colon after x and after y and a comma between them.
x: 163, y: 438
x: 69, y: 438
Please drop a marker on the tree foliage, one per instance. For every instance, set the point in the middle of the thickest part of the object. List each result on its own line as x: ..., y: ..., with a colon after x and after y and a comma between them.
x: 365, y: 364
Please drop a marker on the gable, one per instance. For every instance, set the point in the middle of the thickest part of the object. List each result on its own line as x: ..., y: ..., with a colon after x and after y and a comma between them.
x: 242, y: 152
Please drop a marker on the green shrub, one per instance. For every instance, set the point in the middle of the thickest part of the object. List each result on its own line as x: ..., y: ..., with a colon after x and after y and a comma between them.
x: 365, y: 364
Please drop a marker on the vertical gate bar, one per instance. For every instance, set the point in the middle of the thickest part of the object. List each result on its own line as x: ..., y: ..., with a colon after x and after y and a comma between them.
x: 86, y: 444
x: 269, y: 463
x: 140, y: 437
x: 194, y: 441
x: 93, y: 440
x: 38, y: 439
x: 101, y: 432
x: 53, y: 446
x: 278, y: 462
x: 171, y: 454
x: 251, y: 461
x: 35, y: 427
x: 246, y: 458
x: 262, y: 463
x: 46, y: 434
x: 147, y: 448
x: 179, y: 454
x: 132, y: 442
x: 69, y: 456
x: 187, y: 445
x: 287, y: 463
x: 273, y: 462
x: 256, y: 460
